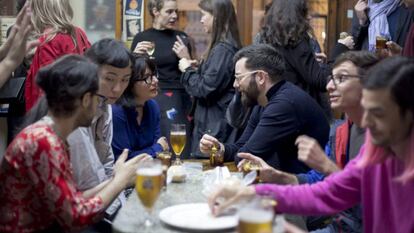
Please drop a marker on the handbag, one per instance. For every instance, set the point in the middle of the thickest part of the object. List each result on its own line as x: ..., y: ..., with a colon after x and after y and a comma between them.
x: 12, y: 90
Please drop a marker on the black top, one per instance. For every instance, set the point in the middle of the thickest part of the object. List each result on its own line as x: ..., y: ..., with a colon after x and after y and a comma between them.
x: 165, y: 58
x: 303, y: 70
x: 272, y: 130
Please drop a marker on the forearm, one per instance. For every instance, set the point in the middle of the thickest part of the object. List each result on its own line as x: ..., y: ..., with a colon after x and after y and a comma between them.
x: 111, y: 190
x: 336, y: 193
x: 95, y: 190
x: 329, y: 168
x: 6, y: 68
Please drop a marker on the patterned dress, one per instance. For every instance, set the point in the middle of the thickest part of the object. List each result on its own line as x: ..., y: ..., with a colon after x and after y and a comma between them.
x: 37, y: 188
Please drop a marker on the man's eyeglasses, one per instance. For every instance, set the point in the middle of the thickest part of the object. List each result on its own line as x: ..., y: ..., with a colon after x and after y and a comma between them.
x: 148, y: 78
x: 340, y: 78
x: 239, y: 77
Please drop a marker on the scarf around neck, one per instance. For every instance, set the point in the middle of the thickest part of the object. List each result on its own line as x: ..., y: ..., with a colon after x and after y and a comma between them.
x: 378, y: 13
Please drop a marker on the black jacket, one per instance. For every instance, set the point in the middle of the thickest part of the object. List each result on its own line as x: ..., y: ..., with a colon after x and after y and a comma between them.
x: 212, y: 88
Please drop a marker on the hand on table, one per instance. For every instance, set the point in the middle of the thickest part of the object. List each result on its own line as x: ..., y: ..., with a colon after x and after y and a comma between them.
x: 225, y: 197
x: 207, y: 142
x: 267, y: 173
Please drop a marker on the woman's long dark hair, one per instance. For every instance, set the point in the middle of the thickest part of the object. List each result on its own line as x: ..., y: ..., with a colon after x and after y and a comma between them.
x: 140, y: 65
x: 286, y: 23
x: 225, y: 27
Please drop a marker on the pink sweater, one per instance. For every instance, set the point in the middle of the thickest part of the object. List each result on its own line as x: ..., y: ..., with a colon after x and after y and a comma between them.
x: 387, y: 205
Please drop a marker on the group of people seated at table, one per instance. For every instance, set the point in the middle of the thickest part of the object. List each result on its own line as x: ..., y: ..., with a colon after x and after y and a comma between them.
x: 94, y: 116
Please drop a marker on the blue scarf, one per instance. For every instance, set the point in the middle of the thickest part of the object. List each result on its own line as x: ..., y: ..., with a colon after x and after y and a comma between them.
x: 378, y: 13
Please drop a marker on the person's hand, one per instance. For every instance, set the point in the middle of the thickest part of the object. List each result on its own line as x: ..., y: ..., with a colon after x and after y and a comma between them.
x: 125, y: 171
x: 207, y: 142
x: 321, y: 57
x: 143, y: 47
x: 185, y: 63
x: 267, y: 173
x: 311, y: 153
x: 164, y: 143
x: 17, y: 46
x: 348, y: 42
x: 361, y: 11
x: 181, y: 49
x: 393, y: 48
x: 247, y: 157
x: 226, y: 196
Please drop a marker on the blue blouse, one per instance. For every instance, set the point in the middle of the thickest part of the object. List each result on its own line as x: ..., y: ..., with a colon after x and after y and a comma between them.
x: 137, y: 138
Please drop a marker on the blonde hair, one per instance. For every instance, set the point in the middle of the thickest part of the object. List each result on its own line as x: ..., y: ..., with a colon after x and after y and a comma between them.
x: 55, y: 15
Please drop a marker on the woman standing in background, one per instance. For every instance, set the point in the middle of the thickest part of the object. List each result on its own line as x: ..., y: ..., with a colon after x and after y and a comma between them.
x: 211, y: 84
x: 58, y: 36
x: 287, y: 29
x: 173, y: 100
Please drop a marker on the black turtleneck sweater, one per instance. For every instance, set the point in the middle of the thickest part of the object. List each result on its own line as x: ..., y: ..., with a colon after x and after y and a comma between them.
x: 165, y: 58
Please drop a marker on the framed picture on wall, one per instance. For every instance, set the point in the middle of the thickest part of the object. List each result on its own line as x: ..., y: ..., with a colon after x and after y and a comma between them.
x: 133, y: 19
x: 133, y: 7
x: 133, y: 26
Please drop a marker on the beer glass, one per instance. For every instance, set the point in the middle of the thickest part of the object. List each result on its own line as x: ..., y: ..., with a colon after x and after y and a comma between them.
x: 380, y: 42
x: 177, y: 140
x: 148, y: 186
x: 256, y: 217
x: 252, y: 166
x: 151, y: 50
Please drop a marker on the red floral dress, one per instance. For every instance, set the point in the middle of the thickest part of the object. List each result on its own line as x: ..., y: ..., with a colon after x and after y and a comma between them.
x: 36, y: 184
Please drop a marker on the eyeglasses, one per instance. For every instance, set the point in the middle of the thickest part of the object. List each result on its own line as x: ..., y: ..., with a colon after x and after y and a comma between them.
x: 102, y: 98
x: 340, y: 78
x: 148, y: 78
x: 239, y: 77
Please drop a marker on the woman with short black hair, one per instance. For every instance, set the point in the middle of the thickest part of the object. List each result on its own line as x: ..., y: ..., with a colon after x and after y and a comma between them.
x: 136, y: 117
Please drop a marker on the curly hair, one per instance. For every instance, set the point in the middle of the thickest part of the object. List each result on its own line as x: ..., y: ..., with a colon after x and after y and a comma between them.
x: 286, y: 23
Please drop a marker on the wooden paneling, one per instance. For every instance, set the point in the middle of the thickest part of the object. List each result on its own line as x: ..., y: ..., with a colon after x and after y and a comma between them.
x: 118, y: 19
x: 245, y: 18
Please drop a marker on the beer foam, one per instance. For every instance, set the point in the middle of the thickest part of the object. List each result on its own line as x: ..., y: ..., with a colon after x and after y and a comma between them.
x: 178, y: 133
x: 149, y: 171
x: 255, y: 215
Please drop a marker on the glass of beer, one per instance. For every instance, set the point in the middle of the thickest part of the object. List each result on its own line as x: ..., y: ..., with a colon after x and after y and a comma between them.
x: 381, y: 42
x: 148, y: 186
x: 151, y: 50
x: 252, y: 166
x: 177, y: 140
x: 256, y: 217
x: 165, y: 158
